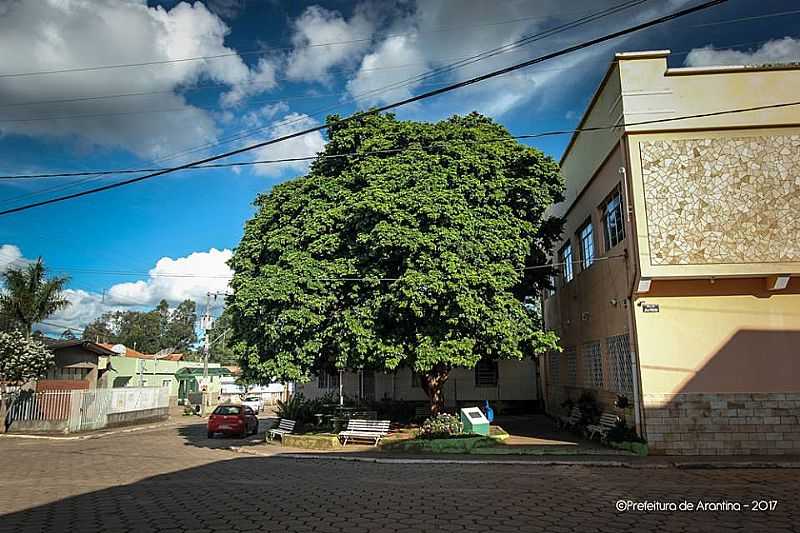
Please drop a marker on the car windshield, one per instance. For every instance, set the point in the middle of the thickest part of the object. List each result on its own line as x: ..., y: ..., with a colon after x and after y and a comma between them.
x: 228, y: 410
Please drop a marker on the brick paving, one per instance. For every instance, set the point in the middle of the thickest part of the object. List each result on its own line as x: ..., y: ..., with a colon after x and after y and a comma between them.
x: 174, y: 479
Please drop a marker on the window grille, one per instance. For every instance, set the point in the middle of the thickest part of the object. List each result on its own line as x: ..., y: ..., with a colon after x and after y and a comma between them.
x: 622, y: 370
x: 593, y: 364
x: 486, y: 374
x: 553, y: 367
x: 570, y: 354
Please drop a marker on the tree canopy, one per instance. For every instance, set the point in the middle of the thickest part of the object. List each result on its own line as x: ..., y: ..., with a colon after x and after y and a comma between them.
x: 148, y: 331
x: 415, y: 254
x: 30, y: 296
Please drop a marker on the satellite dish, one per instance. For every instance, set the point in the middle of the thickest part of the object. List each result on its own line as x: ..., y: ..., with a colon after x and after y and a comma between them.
x: 119, y: 348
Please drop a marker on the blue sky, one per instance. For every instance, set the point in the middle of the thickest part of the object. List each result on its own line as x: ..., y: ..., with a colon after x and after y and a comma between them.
x: 277, y: 65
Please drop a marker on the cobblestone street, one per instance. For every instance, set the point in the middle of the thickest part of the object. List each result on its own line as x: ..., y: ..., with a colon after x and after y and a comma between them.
x: 174, y: 479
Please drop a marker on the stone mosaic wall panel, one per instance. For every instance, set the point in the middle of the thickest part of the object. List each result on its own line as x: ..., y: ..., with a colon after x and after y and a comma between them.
x: 722, y: 200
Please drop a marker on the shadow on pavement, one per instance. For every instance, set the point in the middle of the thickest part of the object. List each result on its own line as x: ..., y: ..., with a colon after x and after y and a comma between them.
x: 281, y: 494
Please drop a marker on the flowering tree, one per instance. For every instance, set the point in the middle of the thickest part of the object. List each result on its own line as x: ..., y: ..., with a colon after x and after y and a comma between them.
x: 22, y: 359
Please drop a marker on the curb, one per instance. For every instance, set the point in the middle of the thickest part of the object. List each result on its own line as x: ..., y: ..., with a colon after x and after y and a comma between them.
x: 681, y: 465
x: 86, y: 437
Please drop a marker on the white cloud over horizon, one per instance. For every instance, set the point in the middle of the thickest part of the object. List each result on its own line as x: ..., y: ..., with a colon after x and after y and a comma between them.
x: 55, y: 35
x: 786, y: 50
x: 171, y: 279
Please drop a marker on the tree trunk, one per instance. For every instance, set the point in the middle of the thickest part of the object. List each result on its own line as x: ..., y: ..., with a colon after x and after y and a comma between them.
x: 433, y: 385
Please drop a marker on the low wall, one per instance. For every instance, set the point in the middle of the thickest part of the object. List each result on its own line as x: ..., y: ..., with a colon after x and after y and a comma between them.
x: 137, y: 417
x: 723, y: 423
x: 38, y: 426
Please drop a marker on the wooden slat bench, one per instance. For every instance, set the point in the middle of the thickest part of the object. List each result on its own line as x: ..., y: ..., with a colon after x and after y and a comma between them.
x: 357, y: 428
x: 608, y: 421
x: 572, y: 420
x: 285, y: 427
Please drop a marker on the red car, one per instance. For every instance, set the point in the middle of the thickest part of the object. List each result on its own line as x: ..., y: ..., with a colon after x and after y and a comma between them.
x: 232, y: 419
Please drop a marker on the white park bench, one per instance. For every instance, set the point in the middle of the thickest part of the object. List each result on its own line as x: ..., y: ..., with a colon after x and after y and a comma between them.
x: 365, y: 429
x: 285, y: 427
x: 608, y: 421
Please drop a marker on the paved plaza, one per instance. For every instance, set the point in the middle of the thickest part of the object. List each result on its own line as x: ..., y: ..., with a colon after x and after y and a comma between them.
x: 174, y: 479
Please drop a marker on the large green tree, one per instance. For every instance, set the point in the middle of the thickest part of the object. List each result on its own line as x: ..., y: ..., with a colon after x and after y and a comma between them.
x: 415, y: 253
x: 148, y: 331
x: 30, y: 296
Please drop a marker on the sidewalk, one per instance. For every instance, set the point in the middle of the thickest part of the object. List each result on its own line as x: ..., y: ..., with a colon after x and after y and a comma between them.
x: 610, y: 461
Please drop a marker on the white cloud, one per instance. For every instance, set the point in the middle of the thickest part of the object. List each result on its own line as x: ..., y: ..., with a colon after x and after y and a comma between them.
x: 786, y: 50
x: 435, y: 34
x: 302, y: 146
x: 311, y: 58
x: 55, y: 34
x: 176, y: 280
x: 10, y: 256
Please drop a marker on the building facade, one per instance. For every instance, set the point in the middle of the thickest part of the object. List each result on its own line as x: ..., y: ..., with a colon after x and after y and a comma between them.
x: 678, y: 288
x: 509, y: 384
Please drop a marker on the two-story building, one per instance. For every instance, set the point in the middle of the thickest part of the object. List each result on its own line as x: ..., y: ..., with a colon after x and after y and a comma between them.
x: 678, y: 286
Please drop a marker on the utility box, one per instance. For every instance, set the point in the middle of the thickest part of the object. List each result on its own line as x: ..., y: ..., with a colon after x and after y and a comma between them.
x: 474, y: 421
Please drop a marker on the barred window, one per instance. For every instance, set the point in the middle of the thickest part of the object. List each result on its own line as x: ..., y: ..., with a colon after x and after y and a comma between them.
x: 593, y: 364
x: 328, y: 380
x: 553, y: 368
x: 619, y: 351
x: 572, y: 365
x: 613, y: 228
x: 486, y: 374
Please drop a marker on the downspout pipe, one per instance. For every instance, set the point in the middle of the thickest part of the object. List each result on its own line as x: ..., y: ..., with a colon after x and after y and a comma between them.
x: 636, y: 377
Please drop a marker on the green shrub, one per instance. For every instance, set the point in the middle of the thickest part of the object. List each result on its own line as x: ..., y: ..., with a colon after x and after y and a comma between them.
x: 441, y: 426
x: 295, y: 408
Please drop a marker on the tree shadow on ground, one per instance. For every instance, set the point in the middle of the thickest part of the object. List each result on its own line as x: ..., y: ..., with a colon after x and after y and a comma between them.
x: 281, y: 494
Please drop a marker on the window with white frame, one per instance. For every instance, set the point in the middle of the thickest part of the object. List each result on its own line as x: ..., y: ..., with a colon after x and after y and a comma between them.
x: 565, y: 258
x: 553, y: 368
x: 486, y: 374
x: 586, y: 239
x: 328, y: 380
x: 572, y: 365
x: 613, y: 226
x: 593, y: 364
x: 619, y: 352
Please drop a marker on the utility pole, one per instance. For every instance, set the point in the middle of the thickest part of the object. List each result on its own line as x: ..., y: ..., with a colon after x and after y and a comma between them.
x: 206, y: 323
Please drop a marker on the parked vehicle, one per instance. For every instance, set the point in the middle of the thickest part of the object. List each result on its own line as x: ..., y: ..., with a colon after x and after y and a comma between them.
x: 231, y: 419
x: 253, y: 402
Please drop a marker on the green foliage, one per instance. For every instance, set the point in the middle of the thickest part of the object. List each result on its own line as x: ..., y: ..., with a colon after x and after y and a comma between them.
x: 148, y: 331
x: 22, y: 359
x: 295, y: 408
x: 441, y: 426
x: 221, y: 350
x: 438, y: 229
x: 30, y: 296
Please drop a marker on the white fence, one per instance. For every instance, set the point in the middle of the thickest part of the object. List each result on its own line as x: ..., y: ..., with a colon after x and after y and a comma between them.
x: 83, y: 410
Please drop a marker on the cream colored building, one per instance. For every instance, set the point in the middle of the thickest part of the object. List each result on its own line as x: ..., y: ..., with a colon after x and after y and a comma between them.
x: 506, y: 384
x: 679, y: 285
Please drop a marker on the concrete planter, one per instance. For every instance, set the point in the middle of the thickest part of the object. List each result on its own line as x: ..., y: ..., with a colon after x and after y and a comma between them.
x: 312, y: 442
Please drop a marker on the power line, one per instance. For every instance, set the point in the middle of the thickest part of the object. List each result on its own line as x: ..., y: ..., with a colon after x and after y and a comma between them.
x: 447, y: 68
x: 356, y: 116
x: 410, y: 148
x: 264, y: 50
